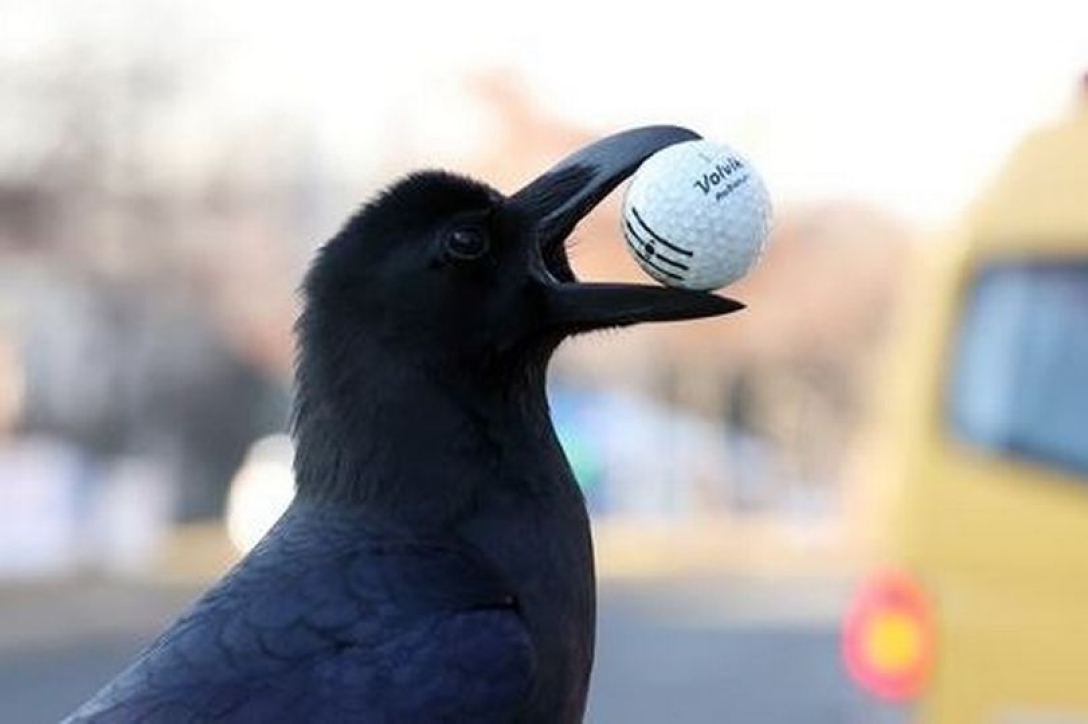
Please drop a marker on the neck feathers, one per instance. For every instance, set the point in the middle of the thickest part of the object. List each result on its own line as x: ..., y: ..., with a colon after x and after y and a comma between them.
x: 379, y: 430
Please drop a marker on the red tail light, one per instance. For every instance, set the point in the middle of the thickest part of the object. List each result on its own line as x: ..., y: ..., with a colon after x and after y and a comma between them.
x: 888, y: 636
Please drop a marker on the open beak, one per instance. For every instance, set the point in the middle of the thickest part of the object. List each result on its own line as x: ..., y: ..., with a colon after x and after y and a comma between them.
x: 557, y: 200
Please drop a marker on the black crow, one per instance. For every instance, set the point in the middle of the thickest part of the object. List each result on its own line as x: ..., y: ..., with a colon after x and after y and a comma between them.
x: 436, y: 565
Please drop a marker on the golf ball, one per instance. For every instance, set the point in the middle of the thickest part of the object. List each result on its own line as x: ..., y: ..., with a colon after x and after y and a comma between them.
x: 696, y: 215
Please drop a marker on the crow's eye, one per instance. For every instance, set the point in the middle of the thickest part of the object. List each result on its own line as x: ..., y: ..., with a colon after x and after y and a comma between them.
x: 467, y: 243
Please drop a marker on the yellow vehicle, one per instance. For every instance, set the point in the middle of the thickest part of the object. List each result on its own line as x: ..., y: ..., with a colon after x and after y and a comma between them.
x: 980, y: 615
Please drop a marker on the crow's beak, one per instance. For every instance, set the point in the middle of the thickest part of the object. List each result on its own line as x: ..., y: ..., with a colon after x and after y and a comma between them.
x: 556, y: 201
x: 577, y: 307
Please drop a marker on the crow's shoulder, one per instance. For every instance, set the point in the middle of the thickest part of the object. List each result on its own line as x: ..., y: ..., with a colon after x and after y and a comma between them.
x: 331, y: 618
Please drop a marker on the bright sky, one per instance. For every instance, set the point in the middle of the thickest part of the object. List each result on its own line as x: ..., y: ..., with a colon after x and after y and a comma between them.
x: 906, y: 104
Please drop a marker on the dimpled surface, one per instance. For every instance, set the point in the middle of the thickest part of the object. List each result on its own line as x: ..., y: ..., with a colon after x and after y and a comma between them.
x: 696, y: 215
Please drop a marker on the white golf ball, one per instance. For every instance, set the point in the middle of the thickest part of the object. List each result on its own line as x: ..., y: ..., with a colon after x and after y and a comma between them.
x: 696, y: 215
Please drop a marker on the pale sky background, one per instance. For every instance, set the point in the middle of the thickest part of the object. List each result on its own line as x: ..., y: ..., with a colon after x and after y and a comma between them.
x: 910, y: 105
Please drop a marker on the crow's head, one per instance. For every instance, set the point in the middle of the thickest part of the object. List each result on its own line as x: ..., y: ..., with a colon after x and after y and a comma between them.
x: 429, y: 321
x: 445, y: 268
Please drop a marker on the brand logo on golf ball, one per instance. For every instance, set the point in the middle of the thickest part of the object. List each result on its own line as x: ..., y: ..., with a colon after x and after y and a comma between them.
x: 723, y: 171
x: 654, y: 250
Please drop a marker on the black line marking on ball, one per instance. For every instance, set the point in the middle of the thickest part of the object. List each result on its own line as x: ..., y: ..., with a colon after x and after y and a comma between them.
x: 658, y: 237
x: 650, y: 250
x: 637, y: 249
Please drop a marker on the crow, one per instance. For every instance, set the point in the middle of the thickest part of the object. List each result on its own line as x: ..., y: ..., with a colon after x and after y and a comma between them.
x: 436, y: 563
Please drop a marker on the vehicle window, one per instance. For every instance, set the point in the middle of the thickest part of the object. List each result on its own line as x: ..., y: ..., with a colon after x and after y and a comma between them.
x: 1019, y: 382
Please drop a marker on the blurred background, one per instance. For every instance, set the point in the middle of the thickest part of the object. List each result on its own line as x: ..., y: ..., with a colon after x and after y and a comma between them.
x: 872, y: 504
